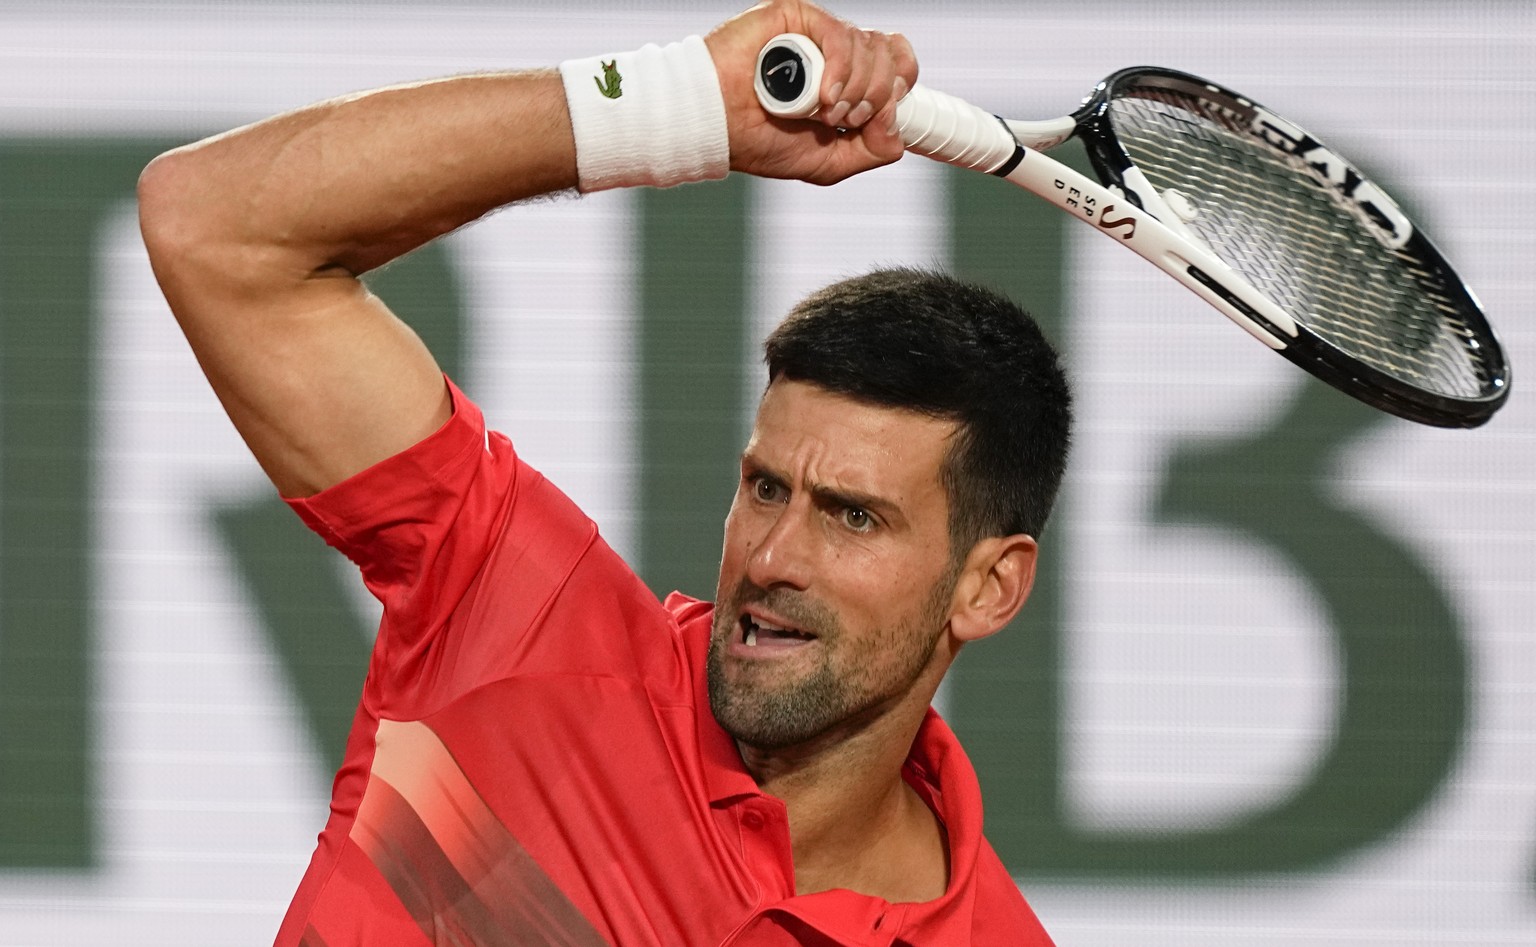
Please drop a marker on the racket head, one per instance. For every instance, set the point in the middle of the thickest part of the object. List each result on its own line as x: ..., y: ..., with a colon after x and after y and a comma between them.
x: 1380, y: 313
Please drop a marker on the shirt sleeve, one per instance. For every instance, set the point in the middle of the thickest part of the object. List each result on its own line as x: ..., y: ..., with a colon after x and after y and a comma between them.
x: 422, y: 525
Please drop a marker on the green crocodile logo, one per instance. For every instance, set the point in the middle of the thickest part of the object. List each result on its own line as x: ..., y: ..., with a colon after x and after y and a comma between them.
x: 609, y: 86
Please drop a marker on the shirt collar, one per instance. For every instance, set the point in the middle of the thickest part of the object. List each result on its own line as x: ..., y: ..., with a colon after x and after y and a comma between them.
x: 941, y: 773
x: 725, y: 776
x: 937, y: 768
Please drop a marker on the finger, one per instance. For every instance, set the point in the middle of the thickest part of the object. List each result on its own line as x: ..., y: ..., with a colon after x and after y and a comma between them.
x: 852, y: 109
x: 880, y: 85
x: 850, y: 64
x: 904, y: 60
x: 836, y: 40
x: 879, y: 137
x: 885, y: 125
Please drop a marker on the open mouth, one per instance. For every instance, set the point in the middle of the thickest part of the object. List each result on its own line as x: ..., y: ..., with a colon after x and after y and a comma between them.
x: 759, y: 633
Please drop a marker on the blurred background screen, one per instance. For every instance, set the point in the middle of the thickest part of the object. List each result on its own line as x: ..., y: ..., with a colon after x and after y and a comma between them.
x: 1277, y: 683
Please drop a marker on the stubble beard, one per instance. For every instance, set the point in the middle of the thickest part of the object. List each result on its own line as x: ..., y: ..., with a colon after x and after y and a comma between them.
x: 762, y: 710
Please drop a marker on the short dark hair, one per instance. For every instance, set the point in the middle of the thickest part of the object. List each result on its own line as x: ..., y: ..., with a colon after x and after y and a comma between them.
x: 930, y: 343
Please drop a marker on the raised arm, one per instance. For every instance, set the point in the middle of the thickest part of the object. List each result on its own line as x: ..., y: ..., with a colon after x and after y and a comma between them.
x: 257, y: 236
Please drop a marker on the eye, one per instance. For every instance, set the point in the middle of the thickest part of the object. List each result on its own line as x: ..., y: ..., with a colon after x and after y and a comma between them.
x: 765, y: 489
x: 858, y: 519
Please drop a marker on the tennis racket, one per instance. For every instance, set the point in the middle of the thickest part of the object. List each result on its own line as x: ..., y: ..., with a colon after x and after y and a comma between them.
x: 1241, y: 206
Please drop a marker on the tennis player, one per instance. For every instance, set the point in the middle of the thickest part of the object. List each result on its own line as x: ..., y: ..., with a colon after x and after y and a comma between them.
x: 544, y: 753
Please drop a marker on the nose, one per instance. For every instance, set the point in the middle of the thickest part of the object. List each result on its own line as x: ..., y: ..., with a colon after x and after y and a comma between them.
x: 783, y: 557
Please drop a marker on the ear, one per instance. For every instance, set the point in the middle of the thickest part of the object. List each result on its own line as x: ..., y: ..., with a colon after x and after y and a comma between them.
x: 994, y: 581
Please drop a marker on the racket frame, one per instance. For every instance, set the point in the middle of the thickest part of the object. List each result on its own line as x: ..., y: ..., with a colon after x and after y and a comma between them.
x: 1302, y: 346
x: 1126, y: 207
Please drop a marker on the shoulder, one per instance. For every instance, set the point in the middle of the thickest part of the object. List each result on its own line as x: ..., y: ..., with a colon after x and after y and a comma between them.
x: 689, y: 611
x: 999, y: 902
x: 1000, y: 916
x: 694, y: 619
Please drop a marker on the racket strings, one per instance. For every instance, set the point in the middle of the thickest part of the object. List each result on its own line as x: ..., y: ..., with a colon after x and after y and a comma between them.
x: 1266, y: 214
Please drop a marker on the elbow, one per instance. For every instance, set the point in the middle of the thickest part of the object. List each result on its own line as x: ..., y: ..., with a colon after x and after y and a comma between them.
x: 168, y: 214
x: 190, y: 222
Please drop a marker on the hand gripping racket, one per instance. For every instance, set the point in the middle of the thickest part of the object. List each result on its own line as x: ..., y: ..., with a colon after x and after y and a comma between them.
x: 1241, y: 206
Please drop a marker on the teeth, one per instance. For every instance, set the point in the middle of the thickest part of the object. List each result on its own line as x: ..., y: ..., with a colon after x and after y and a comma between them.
x: 753, y: 628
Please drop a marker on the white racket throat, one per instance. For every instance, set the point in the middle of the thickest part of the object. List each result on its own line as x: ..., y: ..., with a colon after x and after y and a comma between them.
x: 1180, y: 257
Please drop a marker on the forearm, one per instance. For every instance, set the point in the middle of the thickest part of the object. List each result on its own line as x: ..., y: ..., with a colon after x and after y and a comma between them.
x: 353, y: 183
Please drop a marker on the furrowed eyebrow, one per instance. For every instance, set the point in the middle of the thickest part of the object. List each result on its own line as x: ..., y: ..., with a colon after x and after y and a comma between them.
x: 754, y: 467
x: 826, y: 496
x: 842, y: 498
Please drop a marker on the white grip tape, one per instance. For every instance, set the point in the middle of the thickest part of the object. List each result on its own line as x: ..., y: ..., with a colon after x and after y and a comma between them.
x: 952, y: 130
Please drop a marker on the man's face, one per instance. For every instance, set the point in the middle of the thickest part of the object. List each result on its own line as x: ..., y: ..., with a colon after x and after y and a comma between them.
x: 835, y: 580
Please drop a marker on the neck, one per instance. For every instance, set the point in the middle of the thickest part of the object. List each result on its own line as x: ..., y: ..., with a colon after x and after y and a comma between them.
x: 853, y: 820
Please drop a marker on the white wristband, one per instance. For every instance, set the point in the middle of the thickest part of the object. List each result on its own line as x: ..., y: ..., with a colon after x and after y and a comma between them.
x: 654, y: 116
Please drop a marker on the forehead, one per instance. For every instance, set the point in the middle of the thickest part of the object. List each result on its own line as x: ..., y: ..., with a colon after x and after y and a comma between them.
x: 840, y: 441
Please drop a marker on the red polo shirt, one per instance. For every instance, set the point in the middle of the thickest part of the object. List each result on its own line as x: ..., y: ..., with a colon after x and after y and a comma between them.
x: 534, y: 760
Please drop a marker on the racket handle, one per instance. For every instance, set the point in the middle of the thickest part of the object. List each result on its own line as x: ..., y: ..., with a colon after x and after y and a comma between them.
x: 932, y: 124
